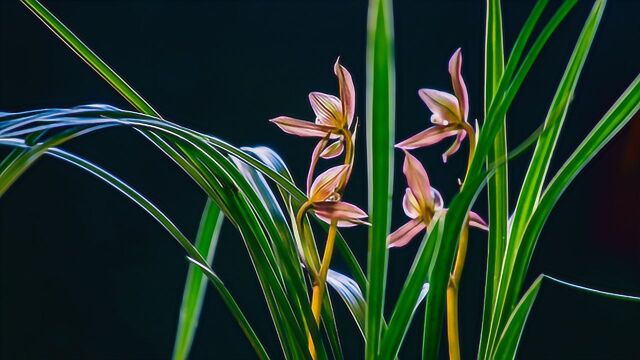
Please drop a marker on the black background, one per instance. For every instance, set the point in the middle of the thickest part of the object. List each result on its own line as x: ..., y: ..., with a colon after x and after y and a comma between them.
x: 86, y: 274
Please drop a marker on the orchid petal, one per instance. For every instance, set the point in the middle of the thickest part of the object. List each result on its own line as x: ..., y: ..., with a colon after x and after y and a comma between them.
x: 301, y: 128
x: 326, y: 183
x: 418, y: 180
x: 347, y: 92
x: 459, y: 87
x: 455, y: 146
x: 427, y: 137
x: 326, y: 107
x: 405, y: 233
x: 444, y: 105
x: 410, y: 204
x: 345, y: 213
x: 438, y: 203
x: 314, y: 161
x: 476, y: 221
x: 333, y: 150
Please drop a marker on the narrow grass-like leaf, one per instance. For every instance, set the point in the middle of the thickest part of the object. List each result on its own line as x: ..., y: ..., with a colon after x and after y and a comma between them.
x: 498, y: 185
x: 235, y: 309
x: 159, y: 216
x: 612, y: 122
x: 195, y: 284
x: 88, y: 56
x: 508, y: 294
x: 380, y: 128
x: 508, y: 343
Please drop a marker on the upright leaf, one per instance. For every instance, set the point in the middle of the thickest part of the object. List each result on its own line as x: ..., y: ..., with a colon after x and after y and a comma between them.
x: 380, y: 128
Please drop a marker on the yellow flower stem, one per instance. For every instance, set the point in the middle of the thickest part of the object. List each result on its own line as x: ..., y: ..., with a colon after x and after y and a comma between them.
x: 321, y: 280
x: 454, y: 280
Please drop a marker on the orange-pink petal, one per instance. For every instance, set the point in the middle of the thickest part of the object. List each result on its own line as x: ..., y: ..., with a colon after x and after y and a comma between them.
x: 428, y: 137
x: 345, y: 213
x: 478, y: 222
x: 326, y: 183
x: 443, y: 105
x: 327, y: 108
x: 405, y: 233
x: 347, y: 92
x: 459, y: 87
x: 301, y: 128
x: 418, y: 180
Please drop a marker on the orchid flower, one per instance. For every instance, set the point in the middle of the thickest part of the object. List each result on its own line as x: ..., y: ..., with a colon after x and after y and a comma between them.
x: 333, y: 115
x: 422, y: 203
x: 326, y: 202
x: 449, y: 113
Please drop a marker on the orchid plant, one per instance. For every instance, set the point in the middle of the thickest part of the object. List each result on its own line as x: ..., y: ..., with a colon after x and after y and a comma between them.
x: 252, y: 189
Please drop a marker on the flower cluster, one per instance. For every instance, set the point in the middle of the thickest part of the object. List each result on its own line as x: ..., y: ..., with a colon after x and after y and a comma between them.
x: 422, y: 203
x: 335, y: 127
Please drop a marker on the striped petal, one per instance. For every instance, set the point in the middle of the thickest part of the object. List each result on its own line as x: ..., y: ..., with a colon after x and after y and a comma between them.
x: 455, y: 146
x: 410, y: 204
x: 347, y: 214
x: 428, y: 137
x: 333, y: 150
x: 418, y: 180
x: 459, y: 87
x: 314, y: 161
x: 476, y: 221
x: 327, y: 108
x: 326, y: 183
x: 347, y: 92
x: 443, y: 105
x: 405, y: 233
x: 301, y: 128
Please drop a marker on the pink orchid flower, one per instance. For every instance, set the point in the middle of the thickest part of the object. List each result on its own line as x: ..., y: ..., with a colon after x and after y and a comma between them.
x: 326, y: 203
x: 449, y: 113
x: 422, y: 204
x: 333, y: 115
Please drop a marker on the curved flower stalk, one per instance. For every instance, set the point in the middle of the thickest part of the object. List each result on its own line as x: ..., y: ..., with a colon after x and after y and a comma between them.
x: 422, y: 203
x: 334, y: 125
x: 449, y: 114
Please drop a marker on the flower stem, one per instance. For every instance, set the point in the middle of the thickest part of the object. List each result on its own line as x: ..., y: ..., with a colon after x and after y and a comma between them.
x: 452, y: 296
x: 320, y: 281
x: 453, y: 287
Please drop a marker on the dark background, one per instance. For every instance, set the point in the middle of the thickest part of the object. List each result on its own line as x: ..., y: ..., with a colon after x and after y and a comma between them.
x: 86, y: 274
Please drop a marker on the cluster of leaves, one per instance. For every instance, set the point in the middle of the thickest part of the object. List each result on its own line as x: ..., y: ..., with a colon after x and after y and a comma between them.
x: 252, y: 189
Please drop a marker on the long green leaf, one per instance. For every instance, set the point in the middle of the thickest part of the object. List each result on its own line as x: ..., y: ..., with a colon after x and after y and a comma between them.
x: 159, y: 216
x: 625, y: 108
x: 380, y: 127
x: 507, y: 294
x: 235, y: 309
x: 498, y: 185
x: 508, y: 343
x: 88, y: 56
x: 195, y: 284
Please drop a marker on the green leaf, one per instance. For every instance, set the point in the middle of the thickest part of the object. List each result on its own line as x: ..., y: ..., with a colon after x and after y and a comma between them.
x: 529, y: 196
x: 159, y: 216
x: 380, y: 128
x: 195, y: 284
x: 89, y: 57
x: 498, y: 185
x: 611, y: 123
x: 508, y: 343
x: 235, y: 309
